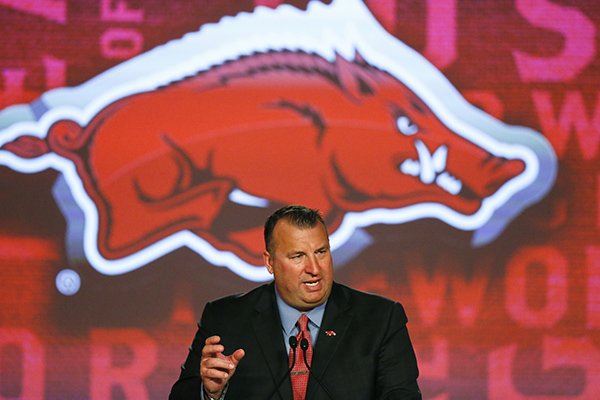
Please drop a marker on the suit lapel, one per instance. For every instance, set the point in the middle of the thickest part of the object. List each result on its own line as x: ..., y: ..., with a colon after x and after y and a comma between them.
x: 336, y: 319
x: 267, y: 330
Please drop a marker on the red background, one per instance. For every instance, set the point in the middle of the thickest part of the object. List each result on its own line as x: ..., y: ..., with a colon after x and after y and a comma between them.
x: 518, y: 318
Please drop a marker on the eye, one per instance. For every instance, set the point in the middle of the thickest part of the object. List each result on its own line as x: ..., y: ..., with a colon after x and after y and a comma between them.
x: 406, y: 126
x: 296, y: 257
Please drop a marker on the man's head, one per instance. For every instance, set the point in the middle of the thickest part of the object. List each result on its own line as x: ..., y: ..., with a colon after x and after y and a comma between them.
x: 298, y: 255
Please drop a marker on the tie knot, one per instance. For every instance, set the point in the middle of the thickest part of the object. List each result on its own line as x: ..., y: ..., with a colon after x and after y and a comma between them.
x: 303, y: 323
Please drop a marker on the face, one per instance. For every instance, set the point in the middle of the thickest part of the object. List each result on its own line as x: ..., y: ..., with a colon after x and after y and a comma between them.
x: 301, y: 264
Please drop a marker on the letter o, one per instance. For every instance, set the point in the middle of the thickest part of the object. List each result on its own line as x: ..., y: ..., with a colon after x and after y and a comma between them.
x: 118, y: 43
x: 556, y: 287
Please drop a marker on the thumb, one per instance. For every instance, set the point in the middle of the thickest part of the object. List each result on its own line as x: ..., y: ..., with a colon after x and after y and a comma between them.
x: 237, y: 356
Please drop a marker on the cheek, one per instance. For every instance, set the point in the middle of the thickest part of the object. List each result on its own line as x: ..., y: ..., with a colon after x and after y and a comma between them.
x: 287, y: 274
x: 329, y: 273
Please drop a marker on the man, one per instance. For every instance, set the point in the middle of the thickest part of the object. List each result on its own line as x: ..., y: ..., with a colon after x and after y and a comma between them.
x: 346, y: 345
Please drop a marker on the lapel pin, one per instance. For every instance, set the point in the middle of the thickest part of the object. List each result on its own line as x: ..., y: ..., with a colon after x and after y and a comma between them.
x: 330, y: 333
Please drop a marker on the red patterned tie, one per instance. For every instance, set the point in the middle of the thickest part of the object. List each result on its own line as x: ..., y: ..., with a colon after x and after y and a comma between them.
x: 299, y: 375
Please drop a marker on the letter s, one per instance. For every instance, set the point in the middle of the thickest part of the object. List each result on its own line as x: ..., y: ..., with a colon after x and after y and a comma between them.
x: 579, y: 42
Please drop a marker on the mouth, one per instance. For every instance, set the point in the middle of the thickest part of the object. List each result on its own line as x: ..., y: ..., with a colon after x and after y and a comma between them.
x: 312, y: 284
x: 431, y: 168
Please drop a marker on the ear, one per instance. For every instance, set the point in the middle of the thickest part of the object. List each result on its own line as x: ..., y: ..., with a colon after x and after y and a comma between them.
x: 268, y: 260
x: 355, y: 78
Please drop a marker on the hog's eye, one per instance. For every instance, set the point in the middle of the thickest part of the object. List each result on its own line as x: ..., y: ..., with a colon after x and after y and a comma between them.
x: 406, y: 126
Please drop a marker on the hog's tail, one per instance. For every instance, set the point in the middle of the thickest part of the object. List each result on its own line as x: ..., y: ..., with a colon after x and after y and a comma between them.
x: 27, y: 146
x: 63, y: 137
x: 67, y: 136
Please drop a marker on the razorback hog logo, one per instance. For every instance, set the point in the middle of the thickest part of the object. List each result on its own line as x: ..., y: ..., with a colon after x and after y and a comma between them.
x: 278, y: 127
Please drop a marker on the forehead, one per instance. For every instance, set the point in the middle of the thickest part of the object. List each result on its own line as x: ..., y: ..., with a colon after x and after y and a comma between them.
x: 288, y: 235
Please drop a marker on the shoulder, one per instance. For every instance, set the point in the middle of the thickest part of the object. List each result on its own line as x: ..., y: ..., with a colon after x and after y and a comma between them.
x: 227, y: 315
x: 242, y: 300
x: 357, y: 296
x: 369, y: 303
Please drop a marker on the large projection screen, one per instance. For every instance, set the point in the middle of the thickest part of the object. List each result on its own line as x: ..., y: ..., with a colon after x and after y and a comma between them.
x: 451, y: 145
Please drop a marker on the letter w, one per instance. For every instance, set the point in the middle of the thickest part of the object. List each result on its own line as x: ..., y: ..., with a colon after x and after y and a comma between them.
x: 572, y: 118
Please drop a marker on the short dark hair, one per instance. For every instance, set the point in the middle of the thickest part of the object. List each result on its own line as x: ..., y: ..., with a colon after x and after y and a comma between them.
x: 299, y: 216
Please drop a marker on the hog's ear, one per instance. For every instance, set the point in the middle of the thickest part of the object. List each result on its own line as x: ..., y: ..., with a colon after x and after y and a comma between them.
x: 359, y: 59
x: 356, y: 78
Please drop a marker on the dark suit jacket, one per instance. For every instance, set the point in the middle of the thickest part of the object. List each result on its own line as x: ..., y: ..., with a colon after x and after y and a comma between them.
x: 369, y: 357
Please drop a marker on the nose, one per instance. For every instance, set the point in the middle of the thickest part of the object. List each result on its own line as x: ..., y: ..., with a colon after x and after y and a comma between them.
x: 312, y: 265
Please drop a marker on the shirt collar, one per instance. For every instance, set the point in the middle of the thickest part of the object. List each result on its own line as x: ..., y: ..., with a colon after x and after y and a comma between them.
x: 289, y: 316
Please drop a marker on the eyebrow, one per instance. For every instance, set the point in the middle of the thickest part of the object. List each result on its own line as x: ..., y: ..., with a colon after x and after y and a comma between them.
x: 324, y: 247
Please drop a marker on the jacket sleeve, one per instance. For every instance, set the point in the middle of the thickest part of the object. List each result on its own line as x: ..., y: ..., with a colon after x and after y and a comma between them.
x: 189, y: 385
x: 397, y: 370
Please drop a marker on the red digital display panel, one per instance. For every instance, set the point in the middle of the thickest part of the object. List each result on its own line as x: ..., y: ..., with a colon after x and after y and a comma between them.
x: 452, y: 147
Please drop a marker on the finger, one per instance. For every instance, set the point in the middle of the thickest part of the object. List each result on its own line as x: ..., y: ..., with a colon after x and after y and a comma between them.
x: 212, y: 350
x: 237, y: 356
x: 223, y: 364
x: 212, y: 340
x: 214, y: 373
